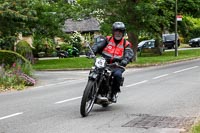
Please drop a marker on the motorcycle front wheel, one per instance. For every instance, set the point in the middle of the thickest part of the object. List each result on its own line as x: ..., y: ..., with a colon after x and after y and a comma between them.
x: 88, y: 98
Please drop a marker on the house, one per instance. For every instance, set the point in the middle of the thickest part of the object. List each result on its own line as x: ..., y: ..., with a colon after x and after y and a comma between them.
x: 88, y: 25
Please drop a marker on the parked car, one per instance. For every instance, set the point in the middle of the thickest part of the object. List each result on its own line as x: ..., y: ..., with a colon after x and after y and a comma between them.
x: 194, y: 42
x: 169, y: 40
x: 146, y: 44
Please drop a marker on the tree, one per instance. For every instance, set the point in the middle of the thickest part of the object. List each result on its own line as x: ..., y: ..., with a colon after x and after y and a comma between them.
x: 151, y: 17
x: 14, y: 14
x: 139, y: 16
x: 46, y: 17
x: 51, y: 17
x: 189, y: 8
x: 41, y: 17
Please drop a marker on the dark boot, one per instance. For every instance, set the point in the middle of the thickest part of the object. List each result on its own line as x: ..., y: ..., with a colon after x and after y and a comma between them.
x: 113, y: 97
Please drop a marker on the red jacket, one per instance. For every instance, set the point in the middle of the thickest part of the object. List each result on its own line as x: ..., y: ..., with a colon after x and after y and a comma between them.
x: 113, y: 51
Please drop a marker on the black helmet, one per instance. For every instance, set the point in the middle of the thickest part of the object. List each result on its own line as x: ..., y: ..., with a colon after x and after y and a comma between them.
x: 118, y: 26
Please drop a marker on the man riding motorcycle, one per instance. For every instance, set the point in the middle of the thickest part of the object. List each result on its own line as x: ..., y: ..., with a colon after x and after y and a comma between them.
x: 115, y: 49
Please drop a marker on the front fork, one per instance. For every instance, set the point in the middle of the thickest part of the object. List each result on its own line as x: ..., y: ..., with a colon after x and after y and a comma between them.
x: 98, y: 80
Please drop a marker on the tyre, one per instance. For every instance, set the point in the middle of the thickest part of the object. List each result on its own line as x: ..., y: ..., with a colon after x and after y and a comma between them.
x: 88, y: 98
x: 105, y: 105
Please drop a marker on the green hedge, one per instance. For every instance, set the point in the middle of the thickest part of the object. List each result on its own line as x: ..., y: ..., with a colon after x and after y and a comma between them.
x: 7, y: 58
x: 24, y: 49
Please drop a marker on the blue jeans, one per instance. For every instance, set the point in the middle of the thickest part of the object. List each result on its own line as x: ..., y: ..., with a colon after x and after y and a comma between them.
x: 117, y: 74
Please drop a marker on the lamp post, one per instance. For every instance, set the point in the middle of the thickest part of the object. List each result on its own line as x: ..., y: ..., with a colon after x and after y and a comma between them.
x: 176, y: 43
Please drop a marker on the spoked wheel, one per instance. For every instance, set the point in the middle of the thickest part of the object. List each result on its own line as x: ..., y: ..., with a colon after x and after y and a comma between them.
x: 88, y: 98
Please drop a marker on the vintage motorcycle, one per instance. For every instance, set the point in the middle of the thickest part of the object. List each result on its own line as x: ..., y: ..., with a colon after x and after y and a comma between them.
x: 100, y: 82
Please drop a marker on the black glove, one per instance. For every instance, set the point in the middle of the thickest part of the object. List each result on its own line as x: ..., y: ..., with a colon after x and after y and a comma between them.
x: 124, y: 63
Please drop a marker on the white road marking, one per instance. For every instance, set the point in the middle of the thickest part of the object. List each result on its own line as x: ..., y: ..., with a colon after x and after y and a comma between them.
x: 137, y: 83
x: 144, y: 81
x: 12, y: 115
x: 160, y: 76
x: 185, y: 69
x: 69, y: 82
x: 68, y: 100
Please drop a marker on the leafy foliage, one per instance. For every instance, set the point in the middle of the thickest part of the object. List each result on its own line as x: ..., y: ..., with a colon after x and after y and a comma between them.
x: 25, y: 50
x: 31, y: 16
x: 43, y: 44
x: 14, y: 16
x: 189, y: 8
x: 76, y: 41
x: 15, y: 71
x: 8, y: 58
x: 65, y: 46
x: 14, y: 78
x: 142, y: 14
x: 45, y: 18
x: 142, y: 17
x: 190, y: 27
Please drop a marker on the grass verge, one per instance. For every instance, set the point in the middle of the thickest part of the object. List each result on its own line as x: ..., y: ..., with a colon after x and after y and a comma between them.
x: 144, y: 60
x: 63, y: 64
x: 195, y: 128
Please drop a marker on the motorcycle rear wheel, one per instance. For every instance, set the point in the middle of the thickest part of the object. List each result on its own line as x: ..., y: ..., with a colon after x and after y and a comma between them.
x: 88, y: 98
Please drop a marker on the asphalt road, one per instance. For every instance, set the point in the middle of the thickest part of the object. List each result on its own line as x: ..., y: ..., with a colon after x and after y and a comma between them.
x: 161, y: 99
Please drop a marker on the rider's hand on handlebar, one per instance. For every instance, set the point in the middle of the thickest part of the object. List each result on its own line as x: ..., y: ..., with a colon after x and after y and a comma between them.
x: 117, y: 64
x: 123, y: 63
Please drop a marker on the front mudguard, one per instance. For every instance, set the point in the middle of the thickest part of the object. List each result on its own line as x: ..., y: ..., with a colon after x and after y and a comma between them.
x: 93, y: 75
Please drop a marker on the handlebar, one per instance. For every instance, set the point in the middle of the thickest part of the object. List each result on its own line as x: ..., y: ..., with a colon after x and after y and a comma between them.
x: 115, y: 64
x: 93, y: 55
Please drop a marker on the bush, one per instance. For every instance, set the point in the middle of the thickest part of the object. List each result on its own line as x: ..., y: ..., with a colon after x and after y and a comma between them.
x: 65, y: 46
x: 195, y: 32
x: 8, y: 58
x: 10, y: 81
x: 15, y: 71
x: 75, y: 41
x: 25, y: 50
x: 43, y: 44
x: 7, y: 42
